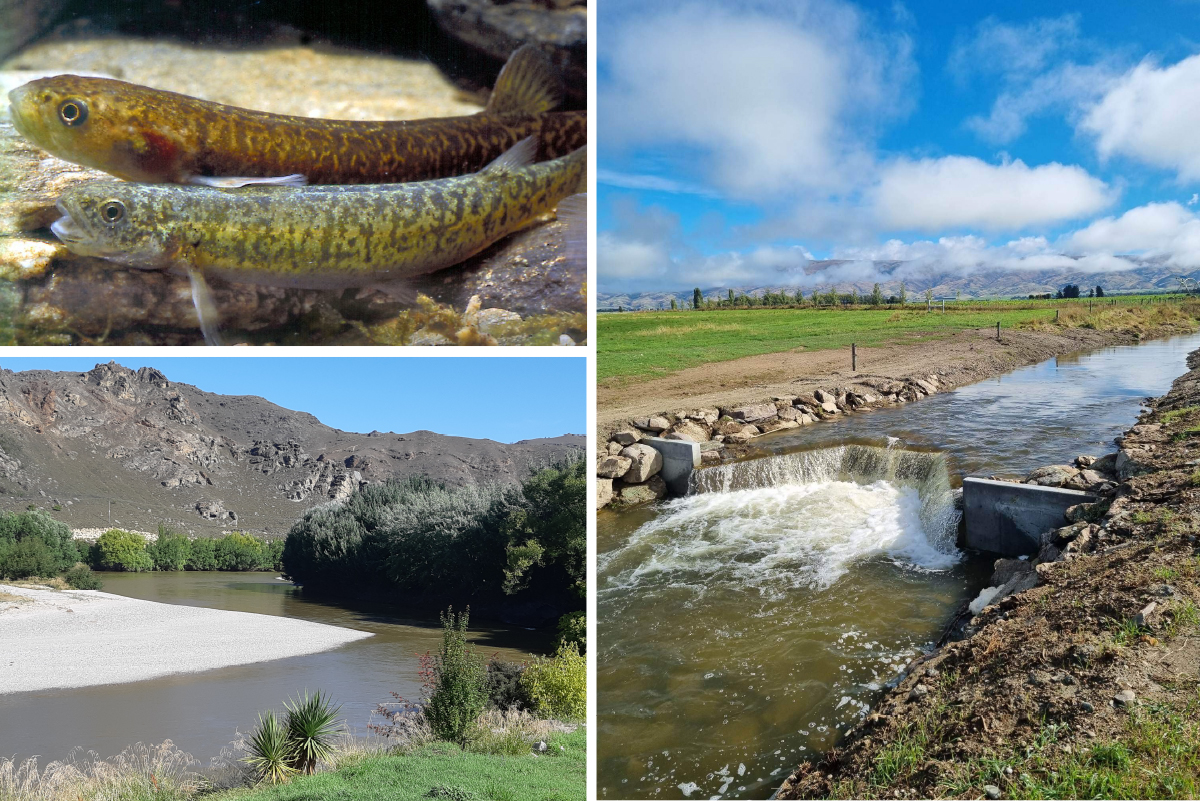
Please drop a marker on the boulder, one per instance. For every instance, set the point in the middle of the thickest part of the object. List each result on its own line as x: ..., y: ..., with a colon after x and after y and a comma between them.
x: 614, y: 466
x: 1088, y: 480
x: 1106, y: 464
x: 710, y: 457
x: 1130, y: 462
x: 604, y: 492
x: 743, y: 436
x: 777, y: 425
x: 728, y: 427
x: 653, y: 490
x: 926, y: 387
x: 655, y: 423
x: 626, y: 437
x: 690, y: 431
x: 705, y: 416
x: 711, y: 445
x: 614, y: 448
x: 645, y: 462
x: 824, y: 397
x: 829, y: 407
x: 789, y: 413
x: 1084, y: 461
x: 1055, y: 475
x: 754, y: 412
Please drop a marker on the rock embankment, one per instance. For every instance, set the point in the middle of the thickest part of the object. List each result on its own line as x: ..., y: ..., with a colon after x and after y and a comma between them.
x: 1077, y: 665
x: 627, y: 468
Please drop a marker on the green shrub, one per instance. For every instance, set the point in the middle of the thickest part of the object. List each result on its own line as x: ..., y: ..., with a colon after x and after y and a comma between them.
x: 81, y: 577
x: 504, y: 686
x: 27, y: 558
x: 558, y: 686
x: 171, y: 551
x: 458, y: 680
x: 573, y: 628
x: 33, y: 540
x: 237, y: 551
x: 202, y: 554
x: 420, y: 537
x: 123, y: 550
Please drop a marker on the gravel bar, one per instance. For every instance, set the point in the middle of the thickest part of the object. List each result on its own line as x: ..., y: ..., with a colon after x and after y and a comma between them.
x: 81, y: 638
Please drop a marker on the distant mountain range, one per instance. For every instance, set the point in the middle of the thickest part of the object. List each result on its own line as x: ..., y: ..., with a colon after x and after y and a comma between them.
x: 1145, y: 276
x: 138, y: 449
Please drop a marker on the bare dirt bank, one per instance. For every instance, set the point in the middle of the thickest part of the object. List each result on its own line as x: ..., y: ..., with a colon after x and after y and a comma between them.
x: 1084, y: 685
x: 957, y: 359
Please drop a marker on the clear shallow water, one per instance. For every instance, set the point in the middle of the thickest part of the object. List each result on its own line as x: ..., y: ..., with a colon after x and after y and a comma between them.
x: 744, y: 629
x: 201, y: 712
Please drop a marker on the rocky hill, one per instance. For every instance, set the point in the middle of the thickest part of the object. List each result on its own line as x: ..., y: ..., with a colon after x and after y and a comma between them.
x: 137, y: 449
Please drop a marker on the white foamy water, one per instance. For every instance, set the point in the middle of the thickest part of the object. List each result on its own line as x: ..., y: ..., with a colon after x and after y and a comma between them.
x: 775, y: 538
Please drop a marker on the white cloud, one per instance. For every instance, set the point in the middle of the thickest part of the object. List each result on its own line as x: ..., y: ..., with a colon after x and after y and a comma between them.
x: 1152, y: 114
x: 650, y: 183
x: 769, y: 97
x: 1164, y: 230
x: 967, y: 255
x: 961, y: 191
x: 1012, y: 50
x: 1036, y: 75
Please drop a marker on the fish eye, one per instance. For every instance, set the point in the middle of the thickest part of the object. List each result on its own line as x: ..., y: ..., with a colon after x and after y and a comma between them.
x: 112, y: 211
x: 73, y: 112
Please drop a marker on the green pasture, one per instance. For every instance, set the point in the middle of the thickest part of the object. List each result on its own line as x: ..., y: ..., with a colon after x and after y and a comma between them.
x: 649, y: 344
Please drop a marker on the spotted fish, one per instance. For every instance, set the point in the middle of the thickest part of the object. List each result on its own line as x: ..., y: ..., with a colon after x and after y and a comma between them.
x: 324, y: 237
x: 149, y: 135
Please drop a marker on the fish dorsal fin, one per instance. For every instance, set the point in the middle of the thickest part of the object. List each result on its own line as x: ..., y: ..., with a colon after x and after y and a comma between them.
x: 528, y: 84
x: 519, y: 155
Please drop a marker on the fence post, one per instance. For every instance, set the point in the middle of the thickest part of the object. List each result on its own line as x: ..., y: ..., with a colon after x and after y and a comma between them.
x: 1056, y: 315
x: 997, y: 332
x: 853, y: 358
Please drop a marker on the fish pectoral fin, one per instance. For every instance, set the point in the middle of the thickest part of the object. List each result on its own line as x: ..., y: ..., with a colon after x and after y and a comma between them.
x: 206, y: 306
x: 572, y: 213
x: 527, y: 84
x: 519, y: 155
x: 295, y: 179
x: 399, y: 290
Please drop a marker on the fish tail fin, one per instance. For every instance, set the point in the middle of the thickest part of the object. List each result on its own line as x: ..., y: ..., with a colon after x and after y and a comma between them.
x: 572, y: 213
x: 528, y: 84
x: 519, y: 155
x: 206, y: 306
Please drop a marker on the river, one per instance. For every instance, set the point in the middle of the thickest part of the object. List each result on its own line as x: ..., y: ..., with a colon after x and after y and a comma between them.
x: 746, y: 626
x: 201, y: 712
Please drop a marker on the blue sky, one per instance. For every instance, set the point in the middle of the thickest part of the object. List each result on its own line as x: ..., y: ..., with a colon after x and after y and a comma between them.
x: 739, y: 140
x: 502, y: 399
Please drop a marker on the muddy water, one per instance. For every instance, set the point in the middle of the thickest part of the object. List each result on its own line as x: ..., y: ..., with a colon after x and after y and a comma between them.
x: 201, y: 712
x: 748, y: 625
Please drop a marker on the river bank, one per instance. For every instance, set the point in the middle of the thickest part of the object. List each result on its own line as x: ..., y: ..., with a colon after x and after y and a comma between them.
x: 1082, y: 685
x: 82, y: 638
x: 958, y: 358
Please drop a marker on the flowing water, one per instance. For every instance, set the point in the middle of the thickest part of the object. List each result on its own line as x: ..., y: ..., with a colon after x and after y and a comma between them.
x: 749, y: 624
x: 201, y: 712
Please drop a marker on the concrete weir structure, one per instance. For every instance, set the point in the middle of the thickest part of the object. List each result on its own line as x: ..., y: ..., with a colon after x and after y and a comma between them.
x: 1010, y: 519
x: 680, y: 458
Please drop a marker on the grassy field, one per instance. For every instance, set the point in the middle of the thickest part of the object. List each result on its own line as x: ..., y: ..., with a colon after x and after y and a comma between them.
x: 443, y: 771
x: 637, y: 344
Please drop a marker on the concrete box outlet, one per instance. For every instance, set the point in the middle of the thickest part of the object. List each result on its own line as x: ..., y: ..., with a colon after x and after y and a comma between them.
x: 1010, y: 519
x: 679, y: 457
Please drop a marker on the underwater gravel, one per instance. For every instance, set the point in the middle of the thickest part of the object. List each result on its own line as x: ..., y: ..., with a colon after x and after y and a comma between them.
x: 81, y: 638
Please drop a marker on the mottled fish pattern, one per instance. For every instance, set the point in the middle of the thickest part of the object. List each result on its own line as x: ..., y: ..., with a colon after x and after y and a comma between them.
x: 143, y: 134
x: 318, y: 236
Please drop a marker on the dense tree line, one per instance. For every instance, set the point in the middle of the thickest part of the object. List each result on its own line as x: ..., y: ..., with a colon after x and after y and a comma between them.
x: 416, y: 538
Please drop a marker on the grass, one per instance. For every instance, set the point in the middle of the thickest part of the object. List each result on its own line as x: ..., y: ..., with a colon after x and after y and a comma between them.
x: 9, y: 598
x: 442, y: 770
x: 657, y: 343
